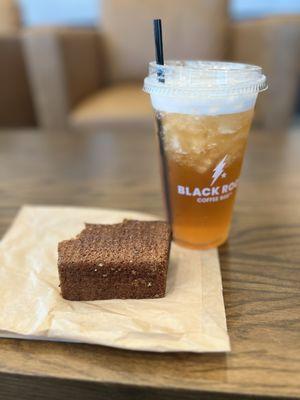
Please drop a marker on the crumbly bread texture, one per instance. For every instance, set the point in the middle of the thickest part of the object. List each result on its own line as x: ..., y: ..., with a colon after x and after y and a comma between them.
x: 119, y: 261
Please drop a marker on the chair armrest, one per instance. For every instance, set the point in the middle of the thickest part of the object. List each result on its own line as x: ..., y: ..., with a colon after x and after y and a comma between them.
x: 272, y: 43
x: 64, y: 66
x: 16, y: 105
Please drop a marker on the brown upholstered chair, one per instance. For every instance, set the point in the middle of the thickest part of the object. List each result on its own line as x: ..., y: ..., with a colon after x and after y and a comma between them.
x: 274, y: 43
x: 16, y: 105
x: 92, y: 79
x: 88, y: 79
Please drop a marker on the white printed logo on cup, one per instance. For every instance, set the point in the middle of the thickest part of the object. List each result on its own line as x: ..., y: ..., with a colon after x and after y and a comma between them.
x: 219, y: 171
x: 212, y: 193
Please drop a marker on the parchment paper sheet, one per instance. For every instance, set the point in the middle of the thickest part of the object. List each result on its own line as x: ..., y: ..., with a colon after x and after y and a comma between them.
x: 190, y: 318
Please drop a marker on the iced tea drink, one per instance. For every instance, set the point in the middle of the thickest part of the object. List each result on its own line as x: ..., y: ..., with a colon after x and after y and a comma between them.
x: 203, y: 113
x: 203, y: 156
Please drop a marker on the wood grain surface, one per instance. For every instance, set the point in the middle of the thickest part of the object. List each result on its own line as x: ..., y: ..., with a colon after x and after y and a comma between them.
x: 260, y: 269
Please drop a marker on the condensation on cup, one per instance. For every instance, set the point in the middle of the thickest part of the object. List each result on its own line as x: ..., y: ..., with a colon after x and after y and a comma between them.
x: 203, y: 113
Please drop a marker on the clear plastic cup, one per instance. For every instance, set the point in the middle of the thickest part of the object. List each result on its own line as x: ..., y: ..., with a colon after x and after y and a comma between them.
x: 203, y: 112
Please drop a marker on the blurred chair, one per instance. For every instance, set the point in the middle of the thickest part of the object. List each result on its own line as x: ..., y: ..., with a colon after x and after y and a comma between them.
x: 273, y: 43
x: 16, y: 105
x: 92, y: 79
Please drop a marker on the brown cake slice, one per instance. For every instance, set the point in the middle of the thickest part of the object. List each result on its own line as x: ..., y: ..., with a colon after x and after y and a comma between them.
x: 120, y: 261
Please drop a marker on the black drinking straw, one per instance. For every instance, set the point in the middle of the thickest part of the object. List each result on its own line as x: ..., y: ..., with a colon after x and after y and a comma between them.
x: 159, y: 50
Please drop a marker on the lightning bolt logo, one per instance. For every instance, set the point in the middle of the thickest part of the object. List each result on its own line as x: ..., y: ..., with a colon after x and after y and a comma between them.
x: 219, y: 170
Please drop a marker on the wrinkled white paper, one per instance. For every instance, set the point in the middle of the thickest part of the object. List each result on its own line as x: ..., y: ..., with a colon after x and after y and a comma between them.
x: 190, y: 318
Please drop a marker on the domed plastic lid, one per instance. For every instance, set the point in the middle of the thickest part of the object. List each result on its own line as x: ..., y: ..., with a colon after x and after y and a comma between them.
x: 209, y: 78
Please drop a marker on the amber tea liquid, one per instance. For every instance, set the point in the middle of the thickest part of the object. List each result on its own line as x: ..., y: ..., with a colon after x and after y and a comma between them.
x: 202, y: 159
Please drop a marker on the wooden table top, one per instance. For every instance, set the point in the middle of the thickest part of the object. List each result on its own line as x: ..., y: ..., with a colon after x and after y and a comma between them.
x: 260, y: 269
